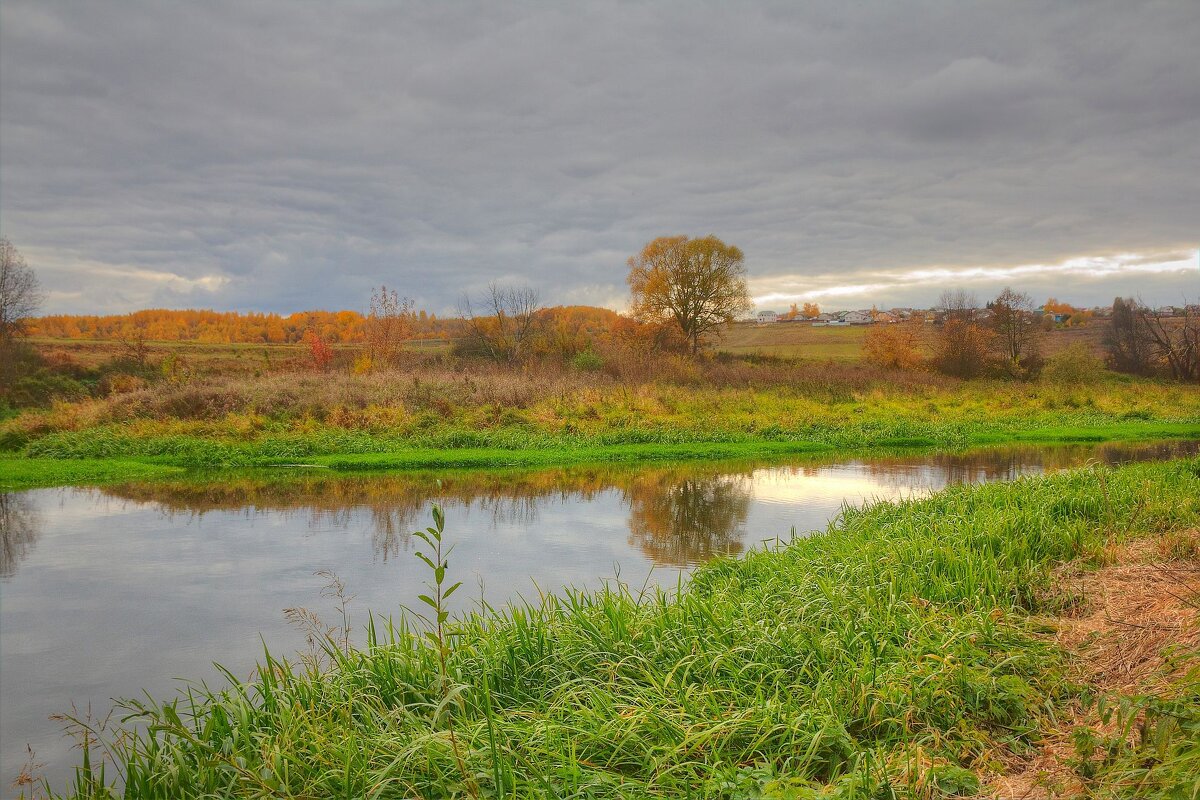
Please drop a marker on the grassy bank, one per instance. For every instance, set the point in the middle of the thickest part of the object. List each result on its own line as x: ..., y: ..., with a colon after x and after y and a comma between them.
x: 898, y: 654
x: 31, y: 473
x: 110, y: 454
x: 486, y: 416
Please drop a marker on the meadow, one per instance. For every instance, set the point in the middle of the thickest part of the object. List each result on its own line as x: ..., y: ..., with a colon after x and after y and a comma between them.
x: 844, y: 344
x: 915, y: 649
x: 190, y: 404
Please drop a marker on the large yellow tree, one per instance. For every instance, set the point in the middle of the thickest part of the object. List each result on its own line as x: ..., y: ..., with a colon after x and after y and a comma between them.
x: 700, y: 284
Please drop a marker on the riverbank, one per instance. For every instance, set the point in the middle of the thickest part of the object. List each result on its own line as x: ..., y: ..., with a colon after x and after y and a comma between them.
x: 441, y: 417
x: 906, y: 649
x: 106, y: 455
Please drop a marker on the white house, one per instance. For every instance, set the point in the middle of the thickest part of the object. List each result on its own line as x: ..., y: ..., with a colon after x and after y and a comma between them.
x: 857, y: 318
x: 765, y: 317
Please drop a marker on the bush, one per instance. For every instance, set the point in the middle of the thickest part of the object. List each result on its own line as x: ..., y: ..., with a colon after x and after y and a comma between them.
x: 44, y: 387
x: 1074, y: 365
x: 363, y: 365
x: 894, y: 346
x: 964, y: 349
x: 587, y: 361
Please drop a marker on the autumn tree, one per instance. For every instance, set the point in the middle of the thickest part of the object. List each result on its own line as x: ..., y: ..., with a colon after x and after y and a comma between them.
x: 1017, y: 335
x: 319, y: 351
x: 1174, y: 343
x: 958, y: 304
x: 810, y: 311
x: 963, y: 348
x: 389, y: 324
x: 567, y: 331
x: 503, y: 324
x: 1055, y: 306
x: 895, y: 346
x: 699, y: 284
x: 20, y: 296
x: 1127, y: 340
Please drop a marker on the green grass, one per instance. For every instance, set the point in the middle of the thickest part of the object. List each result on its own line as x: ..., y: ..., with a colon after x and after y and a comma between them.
x: 111, y: 453
x: 30, y: 473
x: 895, y: 655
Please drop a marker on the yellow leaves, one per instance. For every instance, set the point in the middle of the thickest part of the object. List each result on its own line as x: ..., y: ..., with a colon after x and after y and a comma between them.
x: 699, y: 284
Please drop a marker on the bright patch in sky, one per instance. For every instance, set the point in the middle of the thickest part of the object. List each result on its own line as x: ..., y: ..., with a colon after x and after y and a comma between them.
x: 882, y: 283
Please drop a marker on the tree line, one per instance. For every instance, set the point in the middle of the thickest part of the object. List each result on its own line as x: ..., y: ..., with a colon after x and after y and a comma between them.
x: 683, y: 293
x: 1005, y: 337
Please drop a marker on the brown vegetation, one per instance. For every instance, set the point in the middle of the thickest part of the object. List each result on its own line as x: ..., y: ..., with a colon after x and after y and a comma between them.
x: 895, y: 346
x: 1017, y: 337
x: 20, y: 296
x: 963, y: 348
x: 1143, y: 342
x: 390, y: 323
x: 387, y: 399
x: 1122, y: 624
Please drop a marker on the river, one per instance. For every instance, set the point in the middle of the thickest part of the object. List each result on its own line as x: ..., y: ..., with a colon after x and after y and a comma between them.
x: 106, y: 592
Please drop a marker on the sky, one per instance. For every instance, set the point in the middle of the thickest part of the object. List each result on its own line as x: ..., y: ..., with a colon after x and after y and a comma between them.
x: 281, y: 156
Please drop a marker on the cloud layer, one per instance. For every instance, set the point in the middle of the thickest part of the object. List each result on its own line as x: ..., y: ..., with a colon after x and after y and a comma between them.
x: 282, y: 155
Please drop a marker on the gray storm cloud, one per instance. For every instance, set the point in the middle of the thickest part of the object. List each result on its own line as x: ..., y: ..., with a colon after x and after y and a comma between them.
x: 282, y: 155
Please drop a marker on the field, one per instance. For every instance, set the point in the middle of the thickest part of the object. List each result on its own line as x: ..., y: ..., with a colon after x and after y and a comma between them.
x: 781, y: 340
x: 178, y: 405
x: 951, y: 646
x: 803, y: 341
x: 206, y: 358
x: 455, y: 417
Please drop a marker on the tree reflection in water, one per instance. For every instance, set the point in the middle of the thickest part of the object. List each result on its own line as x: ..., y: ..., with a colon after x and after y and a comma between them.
x: 680, y: 520
x: 678, y: 515
x: 20, y: 526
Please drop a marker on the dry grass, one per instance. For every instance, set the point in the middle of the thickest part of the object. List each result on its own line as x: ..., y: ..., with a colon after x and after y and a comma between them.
x: 443, y: 386
x: 795, y: 340
x: 1126, y: 620
x: 844, y: 344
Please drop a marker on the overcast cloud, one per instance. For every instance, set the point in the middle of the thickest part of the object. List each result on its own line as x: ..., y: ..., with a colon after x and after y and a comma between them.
x: 287, y: 155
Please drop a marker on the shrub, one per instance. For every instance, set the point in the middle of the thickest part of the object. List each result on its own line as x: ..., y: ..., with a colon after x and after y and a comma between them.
x: 319, y: 351
x: 44, y: 387
x: 894, y: 346
x: 964, y: 349
x: 587, y: 361
x: 363, y: 365
x: 1074, y: 365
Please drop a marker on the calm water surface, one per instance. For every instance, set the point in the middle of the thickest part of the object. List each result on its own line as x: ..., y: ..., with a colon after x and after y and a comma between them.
x: 106, y: 592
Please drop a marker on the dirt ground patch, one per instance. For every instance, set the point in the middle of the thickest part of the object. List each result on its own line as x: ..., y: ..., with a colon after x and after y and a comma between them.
x: 1123, y: 622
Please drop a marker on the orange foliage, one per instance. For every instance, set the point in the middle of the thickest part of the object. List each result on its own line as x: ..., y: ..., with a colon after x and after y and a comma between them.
x: 1075, y: 316
x: 569, y: 330
x: 810, y: 310
x: 319, y: 350
x: 1053, y: 306
x: 894, y: 346
x: 198, y: 325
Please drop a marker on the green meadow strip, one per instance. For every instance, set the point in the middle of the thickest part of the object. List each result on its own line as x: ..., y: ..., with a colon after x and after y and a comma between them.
x: 18, y: 473
x: 109, y: 453
x: 896, y: 654
x: 457, y: 459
